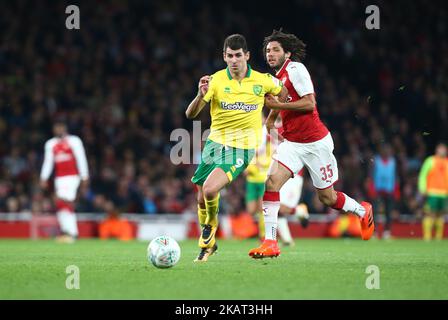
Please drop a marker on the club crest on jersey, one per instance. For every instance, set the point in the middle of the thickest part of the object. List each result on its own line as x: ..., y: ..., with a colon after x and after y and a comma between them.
x: 257, y: 89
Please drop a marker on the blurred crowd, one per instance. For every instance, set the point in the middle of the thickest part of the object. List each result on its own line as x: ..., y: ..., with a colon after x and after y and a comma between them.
x: 123, y: 81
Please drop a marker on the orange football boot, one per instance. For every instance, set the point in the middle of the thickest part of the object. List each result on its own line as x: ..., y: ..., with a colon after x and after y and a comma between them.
x: 367, y: 223
x: 268, y: 249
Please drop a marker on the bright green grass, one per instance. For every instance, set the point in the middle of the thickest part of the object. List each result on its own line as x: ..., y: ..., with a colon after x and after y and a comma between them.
x: 314, y: 269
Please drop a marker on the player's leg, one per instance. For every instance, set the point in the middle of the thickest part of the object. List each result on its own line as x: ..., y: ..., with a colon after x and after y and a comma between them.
x: 66, y: 189
x: 440, y: 218
x: 388, y: 207
x: 289, y: 198
x: 439, y: 226
x: 227, y: 164
x: 427, y: 225
x: 202, y: 213
x: 277, y: 176
x: 429, y: 217
x: 210, y: 192
x: 322, y: 166
x: 205, y: 168
x: 260, y: 216
x: 290, y: 194
x: 254, y: 196
x: 217, y: 180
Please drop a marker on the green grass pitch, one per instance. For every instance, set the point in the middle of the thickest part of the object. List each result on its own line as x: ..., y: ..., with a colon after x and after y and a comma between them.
x: 313, y: 269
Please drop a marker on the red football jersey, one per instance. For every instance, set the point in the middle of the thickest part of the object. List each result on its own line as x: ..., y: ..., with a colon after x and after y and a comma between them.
x: 67, y: 156
x: 299, y: 127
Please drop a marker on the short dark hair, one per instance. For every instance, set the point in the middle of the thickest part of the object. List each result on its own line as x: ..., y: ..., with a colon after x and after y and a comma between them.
x: 235, y: 42
x: 60, y: 122
x: 289, y: 43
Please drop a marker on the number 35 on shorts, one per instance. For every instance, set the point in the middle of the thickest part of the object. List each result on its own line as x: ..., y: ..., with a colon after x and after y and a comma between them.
x: 327, y: 173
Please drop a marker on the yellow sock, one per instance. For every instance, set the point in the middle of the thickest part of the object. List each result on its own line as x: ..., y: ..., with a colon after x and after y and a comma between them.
x: 428, y: 223
x: 202, y: 216
x: 211, y: 207
x: 261, y: 224
x: 439, y: 224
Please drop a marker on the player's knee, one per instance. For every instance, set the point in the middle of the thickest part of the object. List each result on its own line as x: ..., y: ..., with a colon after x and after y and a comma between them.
x: 271, y: 185
x: 209, y: 191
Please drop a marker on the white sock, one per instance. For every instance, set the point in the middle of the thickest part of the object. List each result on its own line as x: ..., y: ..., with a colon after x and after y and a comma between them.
x: 352, y: 205
x: 270, y: 212
x: 283, y: 230
x: 67, y: 222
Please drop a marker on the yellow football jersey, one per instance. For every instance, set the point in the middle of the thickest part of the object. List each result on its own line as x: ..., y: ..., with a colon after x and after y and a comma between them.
x: 258, y: 168
x: 236, y: 106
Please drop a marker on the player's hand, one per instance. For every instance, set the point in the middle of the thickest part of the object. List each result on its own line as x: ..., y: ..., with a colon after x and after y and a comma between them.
x: 44, y: 184
x: 84, y: 184
x: 203, y: 85
x: 271, y: 102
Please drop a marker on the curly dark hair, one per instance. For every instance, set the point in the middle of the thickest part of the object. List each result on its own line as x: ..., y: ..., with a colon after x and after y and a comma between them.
x: 289, y: 43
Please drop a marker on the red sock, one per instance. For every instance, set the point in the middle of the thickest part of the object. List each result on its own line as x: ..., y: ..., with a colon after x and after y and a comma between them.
x: 340, y: 201
x: 62, y: 205
x: 271, y: 196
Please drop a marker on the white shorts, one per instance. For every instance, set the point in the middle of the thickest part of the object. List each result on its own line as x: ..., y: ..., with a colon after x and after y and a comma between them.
x: 67, y: 187
x: 316, y: 156
x: 291, y: 191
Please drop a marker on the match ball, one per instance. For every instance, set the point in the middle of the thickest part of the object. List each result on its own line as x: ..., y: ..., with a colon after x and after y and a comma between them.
x: 163, y: 252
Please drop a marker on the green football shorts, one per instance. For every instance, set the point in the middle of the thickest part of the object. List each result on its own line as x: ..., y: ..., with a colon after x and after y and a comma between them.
x: 436, y: 204
x: 215, y: 155
x: 254, y: 191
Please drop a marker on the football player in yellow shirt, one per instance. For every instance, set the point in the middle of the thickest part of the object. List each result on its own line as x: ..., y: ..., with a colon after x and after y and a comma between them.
x: 236, y: 96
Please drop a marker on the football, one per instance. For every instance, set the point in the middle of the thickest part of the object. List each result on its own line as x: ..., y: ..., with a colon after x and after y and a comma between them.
x: 163, y: 252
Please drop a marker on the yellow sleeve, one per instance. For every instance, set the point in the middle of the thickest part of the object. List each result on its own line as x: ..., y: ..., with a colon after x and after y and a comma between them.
x: 273, y: 85
x: 422, y: 177
x: 211, y: 89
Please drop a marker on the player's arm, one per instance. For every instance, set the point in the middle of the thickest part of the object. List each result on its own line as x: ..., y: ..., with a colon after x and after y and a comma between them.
x: 304, y: 105
x: 198, y: 103
x: 301, y: 81
x: 47, y: 166
x: 280, y: 95
x: 81, y: 160
x: 423, y: 175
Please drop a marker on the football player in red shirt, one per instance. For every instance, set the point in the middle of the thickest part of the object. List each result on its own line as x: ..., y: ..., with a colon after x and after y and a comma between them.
x: 307, y: 142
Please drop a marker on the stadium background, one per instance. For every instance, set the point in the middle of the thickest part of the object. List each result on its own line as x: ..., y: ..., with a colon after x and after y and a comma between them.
x: 124, y: 79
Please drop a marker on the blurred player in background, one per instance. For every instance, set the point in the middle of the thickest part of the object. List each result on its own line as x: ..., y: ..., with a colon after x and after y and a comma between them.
x: 307, y: 142
x: 433, y: 184
x: 384, y: 175
x: 256, y: 174
x: 66, y: 155
x: 236, y: 97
